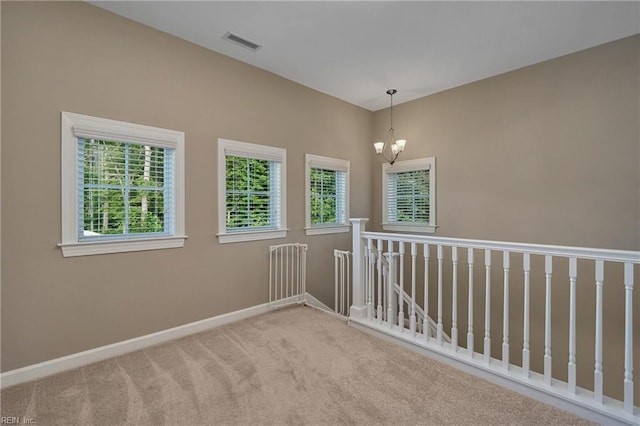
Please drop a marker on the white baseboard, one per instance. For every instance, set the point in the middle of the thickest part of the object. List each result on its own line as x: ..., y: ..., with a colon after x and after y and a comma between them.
x: 69, y: 362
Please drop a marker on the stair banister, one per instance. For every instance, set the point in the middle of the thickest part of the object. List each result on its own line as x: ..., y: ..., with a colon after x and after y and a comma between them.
x: 384, y: 267
x: 359, y: 308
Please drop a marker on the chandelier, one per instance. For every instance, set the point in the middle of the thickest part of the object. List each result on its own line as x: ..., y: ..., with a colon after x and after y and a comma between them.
x: 397, y: 145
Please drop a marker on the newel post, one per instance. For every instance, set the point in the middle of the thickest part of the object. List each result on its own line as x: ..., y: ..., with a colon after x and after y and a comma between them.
x: 358, y: 309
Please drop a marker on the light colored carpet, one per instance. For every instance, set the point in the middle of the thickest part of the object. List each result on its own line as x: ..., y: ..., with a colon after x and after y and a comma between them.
x: 291, y: 366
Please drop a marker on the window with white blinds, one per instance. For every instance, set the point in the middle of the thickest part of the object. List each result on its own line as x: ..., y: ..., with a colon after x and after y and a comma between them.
x: 122, y: 186
x: 251, y: 191
x: 409, y: 195
x: 327, y: 195
x: 124, y: 189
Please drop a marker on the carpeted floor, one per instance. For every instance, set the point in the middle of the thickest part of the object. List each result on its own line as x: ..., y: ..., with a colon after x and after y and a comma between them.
x: 292, y: 366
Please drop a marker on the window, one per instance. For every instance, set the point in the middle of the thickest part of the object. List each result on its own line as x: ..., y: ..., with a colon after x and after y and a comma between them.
x: 408, y: 195
x: 327, y: 195
x: 122, y: 186
x: 251, y: 192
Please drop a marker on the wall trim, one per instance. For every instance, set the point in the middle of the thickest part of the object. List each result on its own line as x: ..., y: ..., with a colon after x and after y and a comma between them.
x: 80, y: 359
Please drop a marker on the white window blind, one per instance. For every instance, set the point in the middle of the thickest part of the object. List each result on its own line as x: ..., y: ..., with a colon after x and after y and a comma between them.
x: 328, y: 195
x: 408, y: 197
x: 252, y: 193
x: 124, y: 190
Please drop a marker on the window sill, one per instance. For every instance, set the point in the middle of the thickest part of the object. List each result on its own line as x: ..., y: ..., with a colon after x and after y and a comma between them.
x: 410, y: 227
x: 121, y: 246
x: 331, y: 229
x: 237, y: 237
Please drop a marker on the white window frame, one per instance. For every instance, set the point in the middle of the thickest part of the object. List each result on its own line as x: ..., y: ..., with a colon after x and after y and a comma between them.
x: 327, y: 163
x: 254, y: 151
x: 75, y: 126
x: 408, y: 166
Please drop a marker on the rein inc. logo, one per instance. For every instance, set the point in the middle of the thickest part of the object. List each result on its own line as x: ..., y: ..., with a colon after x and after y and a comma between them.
x: 12, y: 420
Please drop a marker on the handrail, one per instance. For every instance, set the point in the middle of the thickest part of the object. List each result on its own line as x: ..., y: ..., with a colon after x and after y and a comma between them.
x: 612, y: 255
x: 407, y: 299
x: 383, y: 259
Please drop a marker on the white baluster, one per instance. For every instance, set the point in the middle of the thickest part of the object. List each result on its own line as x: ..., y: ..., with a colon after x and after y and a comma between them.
x: 487, y: 306
x: 526, y: 355
x: 454, y: 303
x: 573, y: 271
x: 380, y: 279
x: 439, y: 326
x: 385, y: 293
x: 505, y: 312
x: 390, y: 282
x: 412, y: 320
x: 470, y: 344
x: 628, y: 337
x: 426, y: 327
x: 597, y: 373
x: 336, y: 268
x: 370, y: 279
x: 548, y: 261
x: 401, y: 292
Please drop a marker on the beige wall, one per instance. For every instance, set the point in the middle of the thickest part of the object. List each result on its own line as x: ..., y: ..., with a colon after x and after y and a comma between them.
x: 549, y: 153
x: 79, y: 58
x: 546, y: 154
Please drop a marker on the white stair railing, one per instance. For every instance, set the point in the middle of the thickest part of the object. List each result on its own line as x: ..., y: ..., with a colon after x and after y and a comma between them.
x: 410, y: 257
x: 342, y: 269
x: 287, y: 274
x: 431, y: 324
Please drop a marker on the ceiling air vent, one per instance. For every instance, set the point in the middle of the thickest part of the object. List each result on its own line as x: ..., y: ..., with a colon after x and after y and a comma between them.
x: 241, y: 41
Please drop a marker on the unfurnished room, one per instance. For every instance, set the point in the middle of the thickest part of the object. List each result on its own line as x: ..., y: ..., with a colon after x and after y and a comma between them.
x: 320, y: 212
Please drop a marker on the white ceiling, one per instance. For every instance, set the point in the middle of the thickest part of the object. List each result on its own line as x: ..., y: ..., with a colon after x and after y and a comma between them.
x: 355, y: 51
